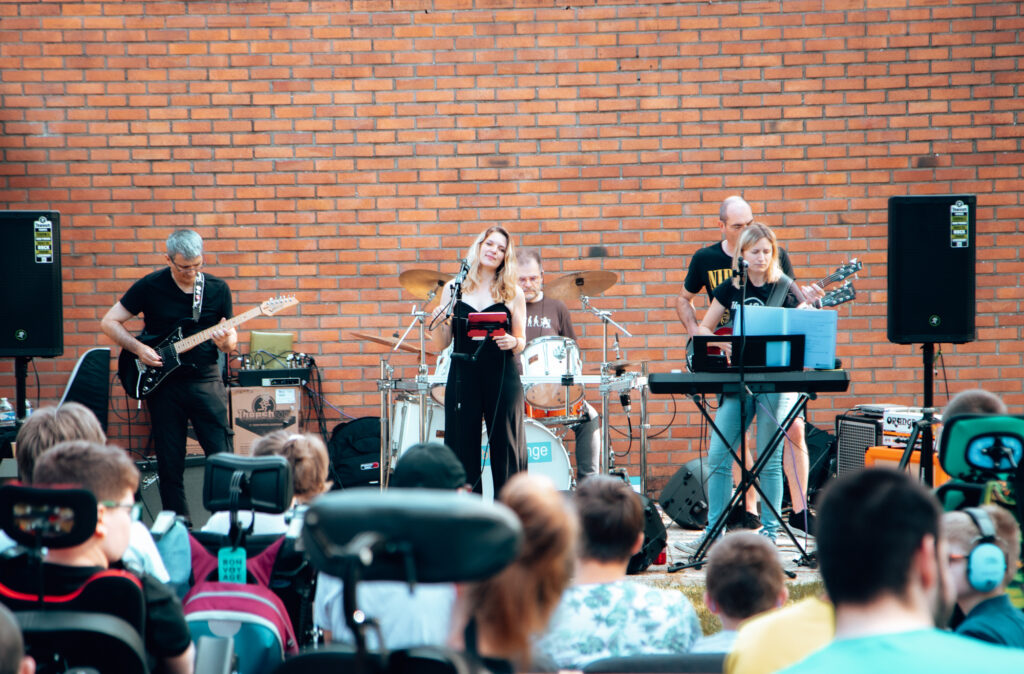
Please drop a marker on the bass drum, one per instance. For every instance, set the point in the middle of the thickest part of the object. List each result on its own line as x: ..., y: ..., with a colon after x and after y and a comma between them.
x: 546, y: 456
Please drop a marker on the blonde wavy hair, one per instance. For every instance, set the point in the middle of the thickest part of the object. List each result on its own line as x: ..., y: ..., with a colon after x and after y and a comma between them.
x: 506, y: 279
x: 753, y: 233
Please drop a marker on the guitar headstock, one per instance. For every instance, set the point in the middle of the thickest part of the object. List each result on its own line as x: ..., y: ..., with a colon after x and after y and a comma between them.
x: 842, y: 294
x: 846, y: 270
x: 276, y: 304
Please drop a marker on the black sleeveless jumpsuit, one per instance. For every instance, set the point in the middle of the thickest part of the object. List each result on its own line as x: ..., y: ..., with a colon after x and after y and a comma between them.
x: 489, y: 390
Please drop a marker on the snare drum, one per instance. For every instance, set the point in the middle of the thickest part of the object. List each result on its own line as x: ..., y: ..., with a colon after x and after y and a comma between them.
x: 555, y: 416
x: 552, y: 356
x: 444, y: 363
x: 547, y: 456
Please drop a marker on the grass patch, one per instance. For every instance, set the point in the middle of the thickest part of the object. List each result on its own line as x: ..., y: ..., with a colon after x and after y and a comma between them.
x: 710, y: 623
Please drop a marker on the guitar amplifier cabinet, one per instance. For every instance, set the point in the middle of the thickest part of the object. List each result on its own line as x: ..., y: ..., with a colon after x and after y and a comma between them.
x: 854, y: 434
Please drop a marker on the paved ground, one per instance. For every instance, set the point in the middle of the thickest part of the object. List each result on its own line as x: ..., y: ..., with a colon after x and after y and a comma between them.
x: 788, y: 555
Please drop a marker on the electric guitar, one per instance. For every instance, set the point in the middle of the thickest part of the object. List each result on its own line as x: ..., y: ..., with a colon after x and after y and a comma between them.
x: 140, y: 380
x: 842, y: 294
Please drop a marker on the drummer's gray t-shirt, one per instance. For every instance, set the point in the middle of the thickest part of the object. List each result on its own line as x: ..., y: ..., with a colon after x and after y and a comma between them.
x: 548, y: 317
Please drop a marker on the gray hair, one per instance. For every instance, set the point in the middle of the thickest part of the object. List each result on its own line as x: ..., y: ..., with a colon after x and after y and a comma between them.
x: 974, y: 401
x: 186, y: 243
x: 531, y: 254
x: 734, y: 200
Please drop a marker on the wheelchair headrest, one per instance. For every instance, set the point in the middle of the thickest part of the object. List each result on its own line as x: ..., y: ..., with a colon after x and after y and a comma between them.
x: 976, y: 446
x: 260, y: 483
x: 423, y: 535
x: 51, y: 517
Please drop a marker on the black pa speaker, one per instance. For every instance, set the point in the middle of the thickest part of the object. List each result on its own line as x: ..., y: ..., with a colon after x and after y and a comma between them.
x: 655, y: 539
x: 685, y: 497
x: 931, y: 269
x: 33, y: 323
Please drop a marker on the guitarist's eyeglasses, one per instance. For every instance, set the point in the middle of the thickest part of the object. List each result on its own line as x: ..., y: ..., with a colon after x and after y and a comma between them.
x: 184, y: 269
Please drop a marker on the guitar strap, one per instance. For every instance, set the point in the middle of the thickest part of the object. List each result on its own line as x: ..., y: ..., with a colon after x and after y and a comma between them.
x: 780, y: 291
x: 197, y: 296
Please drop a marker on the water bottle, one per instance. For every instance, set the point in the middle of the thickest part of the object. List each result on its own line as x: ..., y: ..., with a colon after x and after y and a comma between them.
x: 7, y: 414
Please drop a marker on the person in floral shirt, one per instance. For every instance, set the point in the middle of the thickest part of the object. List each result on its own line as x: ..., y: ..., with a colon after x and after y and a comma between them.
x: 603, y: 614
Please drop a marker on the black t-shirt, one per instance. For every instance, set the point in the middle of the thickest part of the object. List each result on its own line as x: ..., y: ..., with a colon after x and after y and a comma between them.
x: 163, y: 305
x: 726, y: 293
x: 548, y: 317
x: 167, y: 633
x: 710, y: 267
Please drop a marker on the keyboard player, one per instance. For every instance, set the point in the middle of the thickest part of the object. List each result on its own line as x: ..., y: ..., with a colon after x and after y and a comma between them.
x: 758, y: 249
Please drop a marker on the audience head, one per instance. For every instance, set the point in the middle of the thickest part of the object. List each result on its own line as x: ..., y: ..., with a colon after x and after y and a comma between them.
x: 50, y: 425
x: 879, y: 537
x: 516, y: 604
x: 744, y: 576
x: 974, y: 401
x: 429, y: 465
x: 306, y: 454
x: 963, y: 533
x: 611, y: 519
x: 110, y: 476
x: 12, y: 647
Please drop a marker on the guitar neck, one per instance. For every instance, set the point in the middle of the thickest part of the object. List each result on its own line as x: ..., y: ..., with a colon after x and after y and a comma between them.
x: 195, y: 340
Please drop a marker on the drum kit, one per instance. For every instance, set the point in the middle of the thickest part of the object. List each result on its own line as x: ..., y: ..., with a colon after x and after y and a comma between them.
x: 412, y: 409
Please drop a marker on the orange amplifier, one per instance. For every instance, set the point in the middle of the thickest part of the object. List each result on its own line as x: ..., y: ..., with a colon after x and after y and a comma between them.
x: 889, y: 457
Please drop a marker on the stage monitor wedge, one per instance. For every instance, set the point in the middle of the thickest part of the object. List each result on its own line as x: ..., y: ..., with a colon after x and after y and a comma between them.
x: 931, y: 269
x: 33, y: 321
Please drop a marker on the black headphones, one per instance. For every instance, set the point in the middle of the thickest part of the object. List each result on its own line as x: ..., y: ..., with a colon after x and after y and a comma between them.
x: 986, y: 563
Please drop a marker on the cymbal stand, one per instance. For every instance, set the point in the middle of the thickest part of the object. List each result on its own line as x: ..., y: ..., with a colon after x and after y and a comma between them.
x: 385, y: 384
x: 420, y: 317
x: 606, y: 441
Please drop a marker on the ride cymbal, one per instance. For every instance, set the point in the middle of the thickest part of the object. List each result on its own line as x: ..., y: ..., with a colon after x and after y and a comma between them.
x: 421, y: 283
x: 572, y: 286
x: 391, y: 341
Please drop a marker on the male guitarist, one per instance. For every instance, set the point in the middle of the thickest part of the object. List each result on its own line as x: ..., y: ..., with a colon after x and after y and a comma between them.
x: 709, y: 267
x: 180, y: 294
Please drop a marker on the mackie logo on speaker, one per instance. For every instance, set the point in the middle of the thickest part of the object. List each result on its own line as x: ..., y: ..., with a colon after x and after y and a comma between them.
x: 21, y: 334
x: 265, y: 416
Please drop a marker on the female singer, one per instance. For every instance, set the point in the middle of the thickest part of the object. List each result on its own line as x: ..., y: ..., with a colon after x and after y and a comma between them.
x: 758, y: 249
x: 488, y: 388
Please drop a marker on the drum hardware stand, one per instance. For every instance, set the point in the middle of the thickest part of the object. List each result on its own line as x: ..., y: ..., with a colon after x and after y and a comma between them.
x: 420, y: 318
x: 606, y: 441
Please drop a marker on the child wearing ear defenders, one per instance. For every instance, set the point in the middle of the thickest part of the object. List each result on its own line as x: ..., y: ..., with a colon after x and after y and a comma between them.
x: 984, y: 551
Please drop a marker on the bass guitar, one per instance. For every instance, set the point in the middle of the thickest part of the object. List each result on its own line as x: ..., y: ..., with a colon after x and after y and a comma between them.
x: 140, y: 380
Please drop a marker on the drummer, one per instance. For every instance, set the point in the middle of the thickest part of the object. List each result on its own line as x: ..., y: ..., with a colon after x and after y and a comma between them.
x: 547, y: 316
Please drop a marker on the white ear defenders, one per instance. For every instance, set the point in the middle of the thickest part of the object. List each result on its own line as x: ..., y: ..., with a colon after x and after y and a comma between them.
x: 986, y: 563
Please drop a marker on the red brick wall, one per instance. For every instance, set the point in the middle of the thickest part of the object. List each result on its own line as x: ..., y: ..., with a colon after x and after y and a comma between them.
x: 323, y: 147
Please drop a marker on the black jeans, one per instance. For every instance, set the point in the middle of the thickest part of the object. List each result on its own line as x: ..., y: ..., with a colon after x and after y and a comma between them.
x: 187, y: 395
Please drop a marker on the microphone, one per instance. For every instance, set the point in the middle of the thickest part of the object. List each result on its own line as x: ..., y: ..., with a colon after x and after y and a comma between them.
x: 618, y: 354
x: 625, y: 401
x: 461, y: 276
x: 741, y: 263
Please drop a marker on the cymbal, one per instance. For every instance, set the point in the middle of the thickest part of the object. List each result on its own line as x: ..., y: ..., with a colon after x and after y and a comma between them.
x: 573, y: 286
x: 391, y: 341
x: 625, y: 365
x: 421, y: 282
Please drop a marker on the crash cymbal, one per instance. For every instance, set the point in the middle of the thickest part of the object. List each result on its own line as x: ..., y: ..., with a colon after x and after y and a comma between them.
x: 572, y: 286
x: 421, y: 282
x: 391, y: 341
